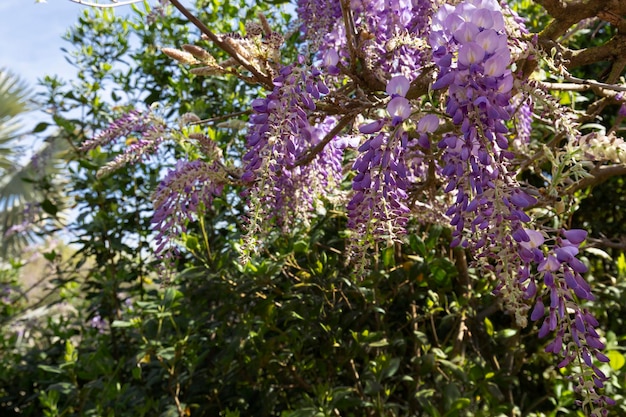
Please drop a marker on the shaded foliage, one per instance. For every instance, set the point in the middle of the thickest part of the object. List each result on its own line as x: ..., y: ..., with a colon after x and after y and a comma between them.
x: 293, y: 332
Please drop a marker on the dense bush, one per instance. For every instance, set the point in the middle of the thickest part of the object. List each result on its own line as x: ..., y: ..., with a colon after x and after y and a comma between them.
x: 238, y: 273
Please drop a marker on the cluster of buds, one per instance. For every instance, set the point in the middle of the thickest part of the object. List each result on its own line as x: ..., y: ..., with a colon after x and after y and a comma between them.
x: 259, y: 48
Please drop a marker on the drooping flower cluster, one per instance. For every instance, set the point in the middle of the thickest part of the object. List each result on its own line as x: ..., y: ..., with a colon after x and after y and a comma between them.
x: 391, y: 34
x: 294, y: 149
x: 282, y: 190
x: 576, y: 339
x: 470, y: 47
x: 378, y: 208
x: 144, y: 132
x: 185, y: 193
x: 321, y: 23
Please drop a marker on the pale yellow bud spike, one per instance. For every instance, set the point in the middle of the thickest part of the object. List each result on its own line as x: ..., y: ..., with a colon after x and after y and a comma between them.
x: 237, y: 47
x: 266, y: 25
x: 180, y: 56
x: 230, y: 62
x: 200, y: 53
x: 207, y: 71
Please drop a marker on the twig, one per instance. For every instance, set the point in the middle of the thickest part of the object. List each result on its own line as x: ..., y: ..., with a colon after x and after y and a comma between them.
x: 599, y: 174
x: 219, y: 118
x: 312, y: 153
x: 260, y: 77
x: 350, y: 33
x: 594, y: 83
x: 607, y: 243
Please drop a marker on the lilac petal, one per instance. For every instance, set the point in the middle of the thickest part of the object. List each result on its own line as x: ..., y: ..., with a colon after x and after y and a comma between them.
x: 428, y: 123
x: 549, y: 264
x: 399, y: 107
x: 580, y: 325
x: 594, y: 342
x: 577, y: 265
x: 496, y: 66
x: 566, y: 253
x: 471, y: 53
x: 520, y: 235
x: 372, y: 127
x: 570, y: 280
x: 521, y: 199
x: 331, y: 58
x: 444, y: 81
x: 531, y: 290
x: 398, y: 86
x: 538, y: 311
x: 545, y: 329
x: 564, y: 362
x: 576, y: 236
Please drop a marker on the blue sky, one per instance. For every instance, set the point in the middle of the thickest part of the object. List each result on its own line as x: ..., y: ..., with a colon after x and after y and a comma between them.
x: 30, y: 37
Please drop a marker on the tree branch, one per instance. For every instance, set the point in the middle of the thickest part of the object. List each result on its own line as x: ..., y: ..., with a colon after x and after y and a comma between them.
x: 260, y: 77
x: 599, y: 174
x: 314, y: 151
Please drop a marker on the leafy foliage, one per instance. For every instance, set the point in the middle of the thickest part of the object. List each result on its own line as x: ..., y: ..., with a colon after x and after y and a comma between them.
x: 295, y: 331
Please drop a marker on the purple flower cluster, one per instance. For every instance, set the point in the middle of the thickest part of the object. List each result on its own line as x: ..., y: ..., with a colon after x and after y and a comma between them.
x: 396, y: 29
x: 576, y: 339
x: 470, y: 48
x: 144, y: 133
x: 321, y: 22
x: 131, y: 122
x: 391, y: 31
x: 523, y: 121
x: 281, y: 132
x: 186, y: 192
x: 378, y: 210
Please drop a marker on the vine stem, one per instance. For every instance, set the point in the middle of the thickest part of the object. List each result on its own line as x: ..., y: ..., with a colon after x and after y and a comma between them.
x: 313, y: 152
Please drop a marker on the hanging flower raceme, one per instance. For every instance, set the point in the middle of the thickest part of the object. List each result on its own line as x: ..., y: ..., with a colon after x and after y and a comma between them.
x: 470, y: 48
x: 144, y: 132
x: 283, y: 191
x: 378, y: 209
x: 576, y: 339
x: 185, y: 193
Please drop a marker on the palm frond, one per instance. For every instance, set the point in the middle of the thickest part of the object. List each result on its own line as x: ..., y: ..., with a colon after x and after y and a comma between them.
x: 19, y: 196
x: 14, y: 96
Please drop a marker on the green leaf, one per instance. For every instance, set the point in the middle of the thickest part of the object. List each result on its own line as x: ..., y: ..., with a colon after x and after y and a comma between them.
x: 49, y: 256
x: 300, y: 246
x: 40, y: 127
x: 191, y: 243
x: 49, y: 207
x: 389, y: 257
x: 451, y: 394
x: 379, y: 343
x: 121, y: 323
x: 616, y: 359
x: 52, y: 369
x: 459, y: 404
x: 621, y: 265
x: 417, y: 245
x: 391, y: 368
x: 62, y: 387
x: 488, y: 326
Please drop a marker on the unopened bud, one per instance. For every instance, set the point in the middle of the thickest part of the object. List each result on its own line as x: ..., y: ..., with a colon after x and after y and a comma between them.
x: 180, y: 56
x: 200, y: 53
